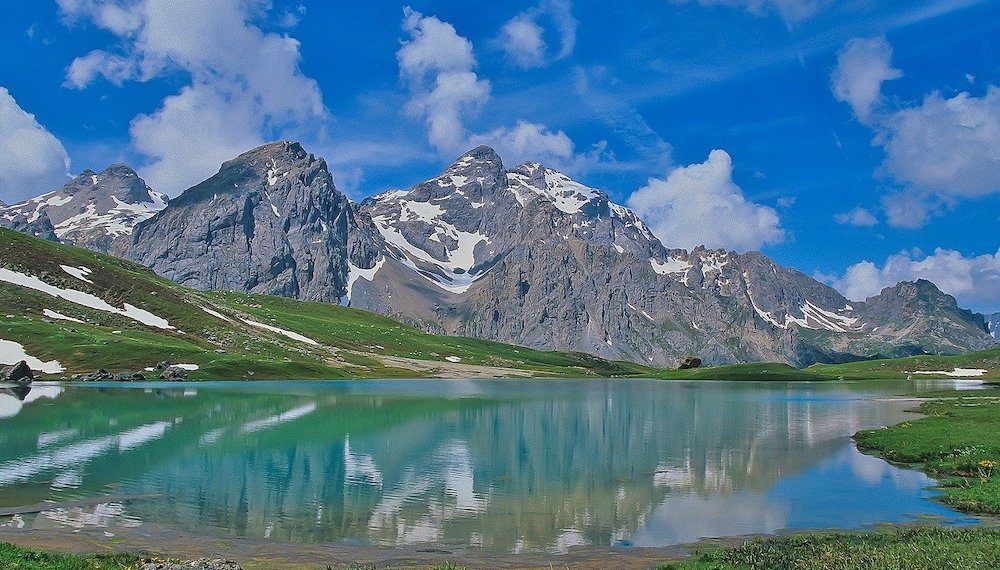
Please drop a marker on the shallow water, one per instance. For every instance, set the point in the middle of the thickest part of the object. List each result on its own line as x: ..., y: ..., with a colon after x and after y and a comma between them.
x: 513, y: 466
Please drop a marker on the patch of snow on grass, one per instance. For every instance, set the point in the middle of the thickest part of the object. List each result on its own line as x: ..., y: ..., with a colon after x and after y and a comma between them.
x: 215, y: 314
x: 80, y: 273
x: 287, y: 333
x: 54, y: 315
x: 188, y: 367
x: 956, y: 373
x: 81, y: 298
x: 454, y: 359
x: 13, y: 352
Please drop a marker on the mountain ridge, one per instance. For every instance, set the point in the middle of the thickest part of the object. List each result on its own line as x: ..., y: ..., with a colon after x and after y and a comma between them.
x: 526, y: 256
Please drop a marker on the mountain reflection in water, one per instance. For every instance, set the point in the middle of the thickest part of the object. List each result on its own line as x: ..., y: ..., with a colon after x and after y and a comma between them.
x: 507, y: 466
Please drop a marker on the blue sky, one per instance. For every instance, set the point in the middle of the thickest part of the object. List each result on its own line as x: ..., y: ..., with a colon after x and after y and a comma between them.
x: 859, y: 139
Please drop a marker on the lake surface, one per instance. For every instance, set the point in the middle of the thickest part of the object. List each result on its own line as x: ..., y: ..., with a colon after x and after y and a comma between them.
x: 512, y: 466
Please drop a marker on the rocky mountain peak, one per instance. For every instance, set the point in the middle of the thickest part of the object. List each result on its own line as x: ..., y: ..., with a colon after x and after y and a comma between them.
x: 94, y: 210
x: 270, y: 221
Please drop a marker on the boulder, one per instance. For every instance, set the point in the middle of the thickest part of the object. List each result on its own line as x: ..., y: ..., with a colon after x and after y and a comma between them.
x: 689, y: 362
x: 19, y: 373
x: 173, y: 373
x: 129, y: 377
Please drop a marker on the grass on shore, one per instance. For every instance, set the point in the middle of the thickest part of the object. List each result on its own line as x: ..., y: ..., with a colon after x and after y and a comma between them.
x: 17, y: 558
x: 910, y: 548
x: 881, y: 369
x: 763, y: 371
x: 958, y: 442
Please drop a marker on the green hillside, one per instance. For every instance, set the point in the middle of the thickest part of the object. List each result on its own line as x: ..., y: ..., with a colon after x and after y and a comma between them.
x: 213, y: 330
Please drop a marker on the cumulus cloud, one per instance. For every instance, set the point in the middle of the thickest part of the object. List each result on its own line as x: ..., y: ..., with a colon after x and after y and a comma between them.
x: 245, y: 84
x: 791, y: 11
x: 32, y: 160
x: 701, y: 205
x: 974, y: 281
x: 859, y: 216
x: 522, y: 37
x: 438, y: 67
x: 862, y: 66
x: 939, y: 152
x: 522, y: 41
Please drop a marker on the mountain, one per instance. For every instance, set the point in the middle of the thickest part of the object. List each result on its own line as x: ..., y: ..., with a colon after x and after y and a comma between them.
x: 70, y: 310
x: 532, y: 257
x: 525, y: 256
x: 94, y: 210
x: 271, y: 221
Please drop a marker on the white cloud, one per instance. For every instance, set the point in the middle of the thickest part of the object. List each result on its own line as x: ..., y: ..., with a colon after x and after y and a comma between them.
x: 245, y: 84
x: 701, y: 205
x: 438, y: 67
x: 973, y: 281
x: 527, y: 142
x: 522, y: 36
x: 32, y: 160
x: 791, y: 11
x: 859, y: 216
x: 862, y: 66
x: 945, y: 148
x: 939, y: 152
x: 522, y: 41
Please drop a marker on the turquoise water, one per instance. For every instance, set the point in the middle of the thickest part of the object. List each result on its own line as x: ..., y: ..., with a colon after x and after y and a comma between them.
x: 502, y: 465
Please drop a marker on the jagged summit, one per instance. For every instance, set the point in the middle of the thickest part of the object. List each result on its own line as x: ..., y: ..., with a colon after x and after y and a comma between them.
x: 270, y: 221
x: 94, y: 210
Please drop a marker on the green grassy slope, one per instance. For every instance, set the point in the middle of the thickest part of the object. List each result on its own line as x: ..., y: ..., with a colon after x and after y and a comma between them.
x: 900, y: 368
x: 350, y: 343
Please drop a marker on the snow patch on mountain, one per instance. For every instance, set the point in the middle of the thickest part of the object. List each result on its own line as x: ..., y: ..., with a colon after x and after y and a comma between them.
x: 355, y: 273
x: 670, y: 266
x: 562, y: 191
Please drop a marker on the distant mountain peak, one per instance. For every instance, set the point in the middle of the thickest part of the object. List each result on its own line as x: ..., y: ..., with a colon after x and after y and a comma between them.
x: 93, y: 209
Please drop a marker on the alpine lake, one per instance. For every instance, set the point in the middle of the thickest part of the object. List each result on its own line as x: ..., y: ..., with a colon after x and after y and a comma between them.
x: 494, y: 467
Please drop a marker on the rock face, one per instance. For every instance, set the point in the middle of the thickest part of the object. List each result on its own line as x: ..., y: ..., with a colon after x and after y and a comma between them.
x: 94, y: 210
x: 525, y: 256
x: 271, y: 221
x: 993, y: 325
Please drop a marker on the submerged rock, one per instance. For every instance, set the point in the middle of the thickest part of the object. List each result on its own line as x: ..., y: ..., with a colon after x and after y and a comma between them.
x: 19, y: 373
x: 200, y: 564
